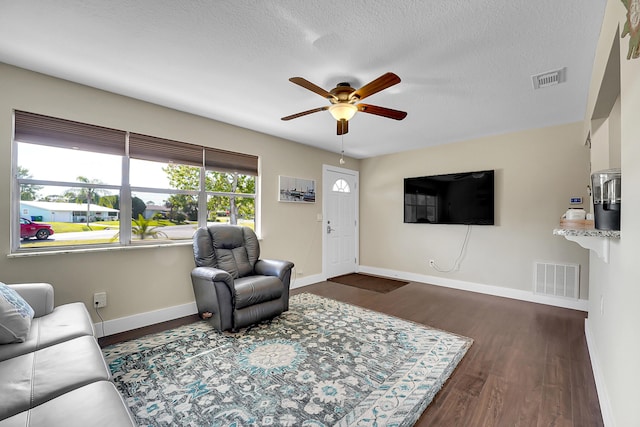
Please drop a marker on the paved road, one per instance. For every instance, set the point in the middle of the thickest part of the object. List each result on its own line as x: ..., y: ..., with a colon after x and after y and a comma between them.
x: 84, y: 235
x: 173, y: 232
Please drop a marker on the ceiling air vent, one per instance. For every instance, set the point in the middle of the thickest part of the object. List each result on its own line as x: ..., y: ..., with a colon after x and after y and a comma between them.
x: 550, y: 78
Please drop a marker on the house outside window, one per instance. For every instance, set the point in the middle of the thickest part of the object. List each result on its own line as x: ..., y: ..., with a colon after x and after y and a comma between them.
x: 105, y: 187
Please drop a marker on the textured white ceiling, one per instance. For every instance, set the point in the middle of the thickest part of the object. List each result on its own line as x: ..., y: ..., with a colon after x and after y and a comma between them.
x: 465, y: 66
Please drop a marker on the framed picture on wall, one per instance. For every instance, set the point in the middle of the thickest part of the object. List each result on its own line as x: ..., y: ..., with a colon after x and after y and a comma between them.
x: 297, y: 190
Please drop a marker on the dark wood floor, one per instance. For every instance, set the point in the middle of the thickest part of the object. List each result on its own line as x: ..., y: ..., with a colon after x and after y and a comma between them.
x: 528, y: 365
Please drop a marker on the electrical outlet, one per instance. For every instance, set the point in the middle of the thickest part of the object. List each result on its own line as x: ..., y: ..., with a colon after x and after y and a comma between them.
x: 432, y: 263
x: 100, y: 299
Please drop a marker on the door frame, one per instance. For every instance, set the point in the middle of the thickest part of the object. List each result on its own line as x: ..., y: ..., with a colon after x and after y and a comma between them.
x: 356, y: 211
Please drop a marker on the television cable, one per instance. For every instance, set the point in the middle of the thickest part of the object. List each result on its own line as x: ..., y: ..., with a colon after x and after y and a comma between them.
x: 456, y: 264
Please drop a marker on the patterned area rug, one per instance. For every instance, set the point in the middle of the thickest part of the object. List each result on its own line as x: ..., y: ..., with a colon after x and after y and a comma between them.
x: 321, y: 363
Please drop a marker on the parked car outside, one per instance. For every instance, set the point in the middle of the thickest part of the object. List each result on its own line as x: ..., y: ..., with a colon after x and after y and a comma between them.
x: 29, y: 229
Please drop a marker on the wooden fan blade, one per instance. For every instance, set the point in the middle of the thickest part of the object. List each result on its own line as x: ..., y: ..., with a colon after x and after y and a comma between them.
x: 313, y: 88
x: 304, y: 113
x: 381, y: 83
x: 343, y: 127
x: 382, y: 111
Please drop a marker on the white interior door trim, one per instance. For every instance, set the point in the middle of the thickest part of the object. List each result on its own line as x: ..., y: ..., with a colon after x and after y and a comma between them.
x: 325, y: 194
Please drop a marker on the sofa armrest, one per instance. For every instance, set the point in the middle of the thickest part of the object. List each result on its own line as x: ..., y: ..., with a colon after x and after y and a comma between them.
x: 38, y: 295
x: 213, y: 289
x: 210, y: 274
x: 271, y: 267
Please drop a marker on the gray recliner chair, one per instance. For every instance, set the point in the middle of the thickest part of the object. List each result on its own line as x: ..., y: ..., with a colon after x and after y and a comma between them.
x: 231, y: 282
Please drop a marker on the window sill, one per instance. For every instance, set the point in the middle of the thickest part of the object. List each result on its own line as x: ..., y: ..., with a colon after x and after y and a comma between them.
x: 24, y: 254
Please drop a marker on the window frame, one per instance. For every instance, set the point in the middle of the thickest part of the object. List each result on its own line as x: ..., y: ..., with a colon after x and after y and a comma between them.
x: 125, y: 190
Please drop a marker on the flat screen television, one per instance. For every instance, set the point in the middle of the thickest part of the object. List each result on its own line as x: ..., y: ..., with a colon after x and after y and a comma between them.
x: 456, y: 198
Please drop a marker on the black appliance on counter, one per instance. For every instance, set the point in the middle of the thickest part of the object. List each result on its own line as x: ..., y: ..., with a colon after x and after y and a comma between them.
x: 607, y: 200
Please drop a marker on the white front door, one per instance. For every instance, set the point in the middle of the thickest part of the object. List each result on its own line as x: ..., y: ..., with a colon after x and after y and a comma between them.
x: 340, y: 221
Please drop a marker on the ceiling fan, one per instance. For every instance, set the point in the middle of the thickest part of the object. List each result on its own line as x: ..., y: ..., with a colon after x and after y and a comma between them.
x: 344, y: 100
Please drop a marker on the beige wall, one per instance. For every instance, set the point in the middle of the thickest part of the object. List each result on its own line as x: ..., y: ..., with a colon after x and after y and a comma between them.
x: 600, y: 135
x: 606, y: 141
x: 615, y: 140
x: 614, y: 317
x: 142, y: 280
x: 536, y: 173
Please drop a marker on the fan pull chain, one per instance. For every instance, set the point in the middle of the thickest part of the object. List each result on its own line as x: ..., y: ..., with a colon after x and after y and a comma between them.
x: 342, y: 161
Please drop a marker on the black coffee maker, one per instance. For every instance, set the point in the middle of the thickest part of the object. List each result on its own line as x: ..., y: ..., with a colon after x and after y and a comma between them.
x: 607, y: 201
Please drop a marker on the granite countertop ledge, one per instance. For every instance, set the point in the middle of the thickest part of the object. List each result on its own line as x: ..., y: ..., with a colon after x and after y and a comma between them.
x: 586, y: 232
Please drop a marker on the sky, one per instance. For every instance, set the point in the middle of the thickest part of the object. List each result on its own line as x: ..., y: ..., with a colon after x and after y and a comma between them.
x: 55, y: 164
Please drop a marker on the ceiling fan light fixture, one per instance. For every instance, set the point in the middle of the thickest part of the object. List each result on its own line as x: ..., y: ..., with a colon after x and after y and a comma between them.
x: 343, y: 111
x: 343, y: 99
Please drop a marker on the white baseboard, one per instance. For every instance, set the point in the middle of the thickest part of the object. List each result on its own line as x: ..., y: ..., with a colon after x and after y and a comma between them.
x: 123, y: 324
x: 306, y: 281
x: 601, y: 388
x: 140, y: 320
x: 498, y: 291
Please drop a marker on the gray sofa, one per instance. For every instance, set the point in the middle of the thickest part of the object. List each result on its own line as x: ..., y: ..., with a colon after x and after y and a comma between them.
x: 57, y: 376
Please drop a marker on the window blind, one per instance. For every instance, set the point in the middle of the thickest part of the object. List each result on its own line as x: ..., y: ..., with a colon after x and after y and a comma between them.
x: 146, y: 147
x: 54, y: 132
x: 229, y: 161
x: 45, y: 130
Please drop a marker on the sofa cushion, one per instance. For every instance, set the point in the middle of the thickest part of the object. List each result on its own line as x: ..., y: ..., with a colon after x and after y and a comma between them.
x: 255, y: 313
x: 235, y: 248
x: 65, y: 322
x: 254, y: 290
x: 235, y: 261
x: 34, y: 378
x: 97, y: 405
x: 15, y: 316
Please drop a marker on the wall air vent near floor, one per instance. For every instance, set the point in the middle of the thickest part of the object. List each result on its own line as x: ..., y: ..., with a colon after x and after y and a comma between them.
x: 559, y: 280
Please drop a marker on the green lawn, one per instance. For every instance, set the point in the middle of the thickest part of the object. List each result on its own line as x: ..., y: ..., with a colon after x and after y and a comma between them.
x: 72, y: 227
x: 66, y: 227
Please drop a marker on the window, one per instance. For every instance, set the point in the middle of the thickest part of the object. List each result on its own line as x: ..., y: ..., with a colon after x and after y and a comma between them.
x: 230, y: 198
x: 341, y: 186
x: 100, y: 186
x: 230, y: 186
x: 165, y: 187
